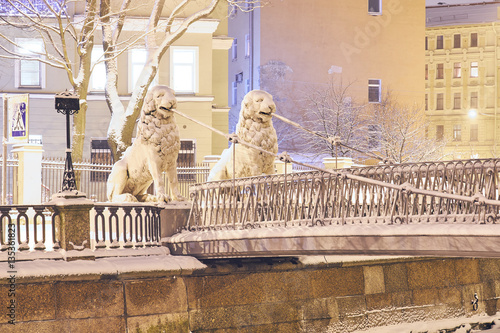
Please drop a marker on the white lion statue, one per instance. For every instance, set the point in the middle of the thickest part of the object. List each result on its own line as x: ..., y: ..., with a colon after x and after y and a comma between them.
x: 255, y: 126
x: 154, y: 151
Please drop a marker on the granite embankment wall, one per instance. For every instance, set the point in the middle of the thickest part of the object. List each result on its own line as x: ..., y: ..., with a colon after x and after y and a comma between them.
x: 311, y: 294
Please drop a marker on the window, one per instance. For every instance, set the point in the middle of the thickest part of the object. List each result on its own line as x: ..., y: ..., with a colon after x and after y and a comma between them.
x: 98, y: 76
x: 474, y: 69
x: 439, y: 101
x: 426, y: 71
x: 31, y: 7
x: 439, y: 132
x: 247, y: 46
x: 187, y: 156
x: 439, y: 42
x: 474, y: 133
x: 473, y: 100
x: 30, y: 73
x: 456, y: 101
x: 426, y: 102
x: 457, y: 69
x: 440, y: 71
x: 473, y: 39
x: 374, y: 7
x: 100, y: 153
x: 136, y: 60
x: 426, y: 43
x: 457, y: 133
x: 374, y: 90
x: 184, y: 69
x: 234, y: 95
x: 374, y: 137
x: 457, y: 41
x: 234, y: 50
x: 247, y: 86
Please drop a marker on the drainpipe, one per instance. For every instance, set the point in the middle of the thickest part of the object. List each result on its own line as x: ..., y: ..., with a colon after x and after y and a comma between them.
x: 496, y: 90
x: 250, y: 31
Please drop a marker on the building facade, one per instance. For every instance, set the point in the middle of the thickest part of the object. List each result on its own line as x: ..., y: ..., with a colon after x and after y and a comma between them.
x: 462, y: 78
x: 196, y: 67
x: 373, y: 45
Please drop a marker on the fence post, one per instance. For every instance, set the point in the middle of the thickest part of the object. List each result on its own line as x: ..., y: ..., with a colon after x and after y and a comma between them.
x: 73, y: 209
x: 342, y: 162
x: 29, y: 190
x: 280, y: 167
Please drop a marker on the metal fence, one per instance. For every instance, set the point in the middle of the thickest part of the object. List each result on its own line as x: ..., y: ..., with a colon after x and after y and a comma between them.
x: 452, y: 192
x: 92, y: 178
x: 11, y: 181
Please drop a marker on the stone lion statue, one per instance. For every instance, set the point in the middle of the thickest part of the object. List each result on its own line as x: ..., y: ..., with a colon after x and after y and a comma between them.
x: 154, y: 151
x: 254, y: 126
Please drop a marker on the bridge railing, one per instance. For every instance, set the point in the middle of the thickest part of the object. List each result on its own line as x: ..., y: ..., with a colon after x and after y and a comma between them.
x: 112, y: 226
x: 454, y: 192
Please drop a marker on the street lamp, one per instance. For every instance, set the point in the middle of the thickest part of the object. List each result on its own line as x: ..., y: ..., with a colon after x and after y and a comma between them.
x: 472, y: 113
x: 68, y: 104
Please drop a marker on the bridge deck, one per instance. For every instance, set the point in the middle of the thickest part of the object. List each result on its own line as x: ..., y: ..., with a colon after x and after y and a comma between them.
x: 455, y: 240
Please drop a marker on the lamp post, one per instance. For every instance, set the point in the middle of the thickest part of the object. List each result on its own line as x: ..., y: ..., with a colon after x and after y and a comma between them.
x: 68, y: 104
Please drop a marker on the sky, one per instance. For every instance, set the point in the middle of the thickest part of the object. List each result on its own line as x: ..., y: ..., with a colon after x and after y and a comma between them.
x: 453, y: 2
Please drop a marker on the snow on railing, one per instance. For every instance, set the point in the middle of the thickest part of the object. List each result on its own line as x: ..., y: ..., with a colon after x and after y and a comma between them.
x: 28, y: 228
x: 453, y: 192
x: 125, y: 226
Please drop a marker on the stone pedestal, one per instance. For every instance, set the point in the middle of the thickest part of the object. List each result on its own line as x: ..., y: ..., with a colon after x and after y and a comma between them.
x: 342, y: 162
x: 280, y: 167
x: 74, y: 219
x: 174, y: 217
x: 211, y: 160
x: 29, y: 190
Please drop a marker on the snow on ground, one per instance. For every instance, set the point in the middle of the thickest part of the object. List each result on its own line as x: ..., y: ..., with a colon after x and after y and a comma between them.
x: 461, y: 325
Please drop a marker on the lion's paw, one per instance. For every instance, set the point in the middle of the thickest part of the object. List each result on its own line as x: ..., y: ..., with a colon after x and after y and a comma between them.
x: 124, y: 197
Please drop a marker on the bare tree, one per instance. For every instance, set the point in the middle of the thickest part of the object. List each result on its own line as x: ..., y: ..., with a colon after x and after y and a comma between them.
x: 398, y: 131
x: 62, y: 39
x: 336, y: 118
x: 63, y: 35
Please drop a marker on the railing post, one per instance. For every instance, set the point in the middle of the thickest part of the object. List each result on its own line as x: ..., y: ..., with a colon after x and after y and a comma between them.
x: 74, y: 223
x: 30, y: 173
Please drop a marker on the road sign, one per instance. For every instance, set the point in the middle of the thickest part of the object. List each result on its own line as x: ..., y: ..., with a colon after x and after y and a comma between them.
x: 17, y: 109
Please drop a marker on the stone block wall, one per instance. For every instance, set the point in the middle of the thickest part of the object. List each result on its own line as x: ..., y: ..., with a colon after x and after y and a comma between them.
x: 256, y: 295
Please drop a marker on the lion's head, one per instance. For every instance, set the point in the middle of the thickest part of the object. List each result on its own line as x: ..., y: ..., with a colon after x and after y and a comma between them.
x: 255, y: 124
x: 159, y: 100
x: 258, y: 105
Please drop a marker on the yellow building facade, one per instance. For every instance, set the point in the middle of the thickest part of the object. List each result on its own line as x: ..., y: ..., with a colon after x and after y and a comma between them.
x: 206, y: 99
x: 462, y: 79
x: 371, y: 45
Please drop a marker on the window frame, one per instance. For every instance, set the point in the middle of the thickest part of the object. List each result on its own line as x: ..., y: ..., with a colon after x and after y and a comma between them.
x: 457, y: 101
x: 439, y: 71
x: 474, y: 100
x: 439, y: 132
x: 474, y: 70
x: 234, y: 50
x: 457, y: 70
x: 374, y: 85
x: 457, y: 42
x: 474, y: 132
x: 18, y: 65
x: 195, y: 66
x: 375, y: 11
x: 93, y: 86
x: 439, y: 101
x: 457, y: 132
x: 248, y: 46
x: 474, y: 41
x: 131, y: 63
x: 439, y: 42
x: 234, y: 93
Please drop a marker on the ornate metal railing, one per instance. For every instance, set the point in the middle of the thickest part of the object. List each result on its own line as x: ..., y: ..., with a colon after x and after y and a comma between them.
x: 451, y: 192
x: 125, y: 226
